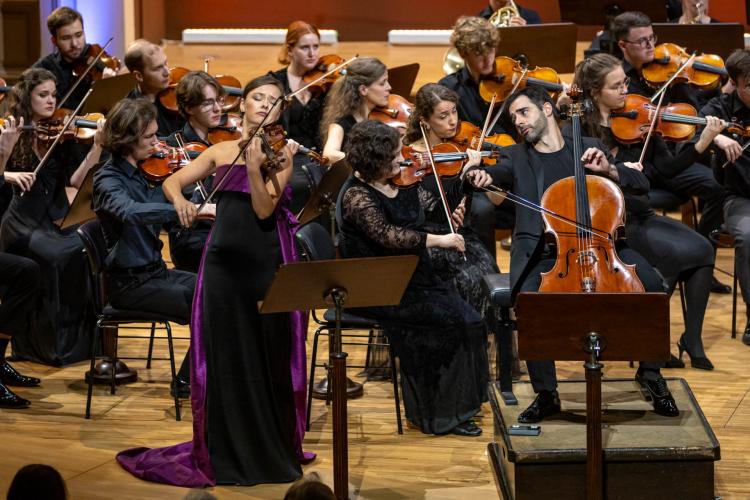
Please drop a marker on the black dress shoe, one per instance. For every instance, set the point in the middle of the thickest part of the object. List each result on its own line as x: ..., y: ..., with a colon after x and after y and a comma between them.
x: 657, y: 392
x: 674, y: 362
x: 9, y: 376
x: 8, y: 399
x: 746, y: 337
x: 468, y: 428
x: 183, y: 389
x: 545, y: 404
x: 719, y: 287
x: 700, y: 362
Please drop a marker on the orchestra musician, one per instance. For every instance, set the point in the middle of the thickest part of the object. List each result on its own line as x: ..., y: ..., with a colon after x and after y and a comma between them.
x: 132, y: 212
x: 66, y: 30
x: 635, y: 37
x: 248, y: 391
x: 546, y: 155
x: 736, y: 173
x: 351, y: 99
x: 440, y: 340
x: 694, y: 12
x: 301, y: 118
x: 148, y: 64
x: 525, y: 16
x: 675, y: 250
x: 60, y: 328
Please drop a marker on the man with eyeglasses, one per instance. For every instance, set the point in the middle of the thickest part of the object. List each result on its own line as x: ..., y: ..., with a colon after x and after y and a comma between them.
x: 635, y: 37
x: 148, y: 64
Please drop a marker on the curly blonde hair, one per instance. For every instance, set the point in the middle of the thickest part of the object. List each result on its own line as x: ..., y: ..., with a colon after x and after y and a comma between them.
x: 474, y: 35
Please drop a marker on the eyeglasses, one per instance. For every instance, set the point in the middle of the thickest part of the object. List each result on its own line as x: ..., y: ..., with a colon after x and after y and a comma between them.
x: 645, y: 42
x: 210, y: 103
x: 258, y: 97
x: 621, y: 86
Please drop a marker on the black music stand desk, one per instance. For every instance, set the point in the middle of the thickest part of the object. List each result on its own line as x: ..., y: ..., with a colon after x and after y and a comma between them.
x: 377, y: 281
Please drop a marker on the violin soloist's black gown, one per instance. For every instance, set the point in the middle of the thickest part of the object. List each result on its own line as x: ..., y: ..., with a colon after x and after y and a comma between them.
x: 62, y: 322
x: 440, y: 340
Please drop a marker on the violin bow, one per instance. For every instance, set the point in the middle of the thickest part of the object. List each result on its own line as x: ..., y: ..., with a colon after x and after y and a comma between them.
x: 181, y: 144
x: 83, y: 75
x: 439, y: 182
x: 651, y: 128
x: 291, y: 95
x: 65, y: 127
x: 671, y: 79
x: 504, y: 105
x: 744, y: 147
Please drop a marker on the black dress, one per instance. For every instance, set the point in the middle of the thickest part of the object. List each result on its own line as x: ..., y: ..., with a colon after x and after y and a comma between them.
x: 61, y: 324
x: 440, y: 340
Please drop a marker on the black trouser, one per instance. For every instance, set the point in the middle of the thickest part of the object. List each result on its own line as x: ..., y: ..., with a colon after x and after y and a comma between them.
x: 20, y: 280
x: 737, y: 212
x: 164, y: 291
x: 542, y: 373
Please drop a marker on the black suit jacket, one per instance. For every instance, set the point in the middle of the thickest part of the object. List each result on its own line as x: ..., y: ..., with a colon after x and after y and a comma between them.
x: 523, y: 174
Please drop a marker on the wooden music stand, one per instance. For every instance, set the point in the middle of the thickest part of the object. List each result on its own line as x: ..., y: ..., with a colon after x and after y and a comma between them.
x: 593, y: 327
x: 402, y: 78
x: 591, y: 12
x: 108, y: 92
x: 717, y: 38
x: 551, y: 45
x: 378, y: 281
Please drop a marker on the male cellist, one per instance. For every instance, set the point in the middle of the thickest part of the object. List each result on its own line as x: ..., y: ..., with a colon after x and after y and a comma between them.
x: 528, y: 169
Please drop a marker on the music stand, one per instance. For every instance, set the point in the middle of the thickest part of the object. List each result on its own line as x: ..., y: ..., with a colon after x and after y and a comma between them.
x: 378, y: 281
x: 716, y: 38
x: 552, y: 45
x: 593, y: 327
x: 81, y: 209
x: 402, y: 78
x: 326, y: 192
x: 591, y: 12
x: 107, y: 92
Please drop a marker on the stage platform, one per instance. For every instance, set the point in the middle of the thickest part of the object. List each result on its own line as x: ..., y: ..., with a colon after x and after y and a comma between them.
x: 646, y: 456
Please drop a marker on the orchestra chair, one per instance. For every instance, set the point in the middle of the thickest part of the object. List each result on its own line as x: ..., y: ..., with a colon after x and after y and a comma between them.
x: 95, y: 248
x: 316, y: 244
x: 722, y: 239
x: 667, y: 201
x: 497, y: 288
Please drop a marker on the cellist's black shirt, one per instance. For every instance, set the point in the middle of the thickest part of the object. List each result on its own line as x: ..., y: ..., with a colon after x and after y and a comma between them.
x: 557, y: 165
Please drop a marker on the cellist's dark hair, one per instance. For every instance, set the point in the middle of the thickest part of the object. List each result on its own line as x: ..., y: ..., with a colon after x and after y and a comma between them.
x: 537, y: 95
x: 370, y: 148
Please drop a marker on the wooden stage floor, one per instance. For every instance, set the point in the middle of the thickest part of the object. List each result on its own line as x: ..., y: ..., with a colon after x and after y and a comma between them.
x: 383, y: 464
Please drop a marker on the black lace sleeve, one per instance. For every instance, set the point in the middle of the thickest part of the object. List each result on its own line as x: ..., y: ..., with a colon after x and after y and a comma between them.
x: 362, y: 209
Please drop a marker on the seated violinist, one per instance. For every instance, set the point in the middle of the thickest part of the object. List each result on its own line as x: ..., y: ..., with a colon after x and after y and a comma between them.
x: 351, y: 100
x: 132, y: 213
x: 546, y: 152
x: 525, y: 16
x: 635, y: 37
x: 66, y: 30
x: 199, y: 100
x: 148, y: 64
x: 301, y: 118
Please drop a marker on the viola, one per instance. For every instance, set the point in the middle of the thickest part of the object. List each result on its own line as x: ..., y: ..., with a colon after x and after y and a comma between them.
x: 449, y: 161
x: 167, y: 160
x: 325, y: 64
x: 705, y: 71
x: 676, y: 122
x: 229, y: 130
x: 508, y: 71
x: 82, y: 129
x: 468, y: 135
x: 230, y: 84
x: 586, y: 257
x: 97, y: 71
x: 395, y: 114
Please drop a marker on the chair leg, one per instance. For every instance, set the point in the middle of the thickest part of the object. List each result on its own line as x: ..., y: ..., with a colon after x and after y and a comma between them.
x: 150, y: 346
x: 734, y: 298
x: 177, y: 414
x: 311, y: 381
x: 396, y: 398
x: 113, y: 378
x: 505, y: 345
x: 91, y: 368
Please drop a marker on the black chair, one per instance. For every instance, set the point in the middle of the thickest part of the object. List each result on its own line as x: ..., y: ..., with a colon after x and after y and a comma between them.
x: 497, y: 288
x: 108, y: 317
x: 722, y: 239
x: 316, y: 244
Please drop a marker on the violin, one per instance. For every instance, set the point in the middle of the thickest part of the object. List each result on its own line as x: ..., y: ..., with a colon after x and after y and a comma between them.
x: 4, y: 88
x: 586, y: 257
x: 395, y: 114
x: 97, y: 71
x: 82, y: 129
x: 273, y: 139
x: 507, y: 73
x: 705, y: 71
x: 231, y: 85
x: 168, y: 160
x: 467, y: 137
x: 229, y: 130
x: 676, y: 122
x: 325, y: 64
x: 449, y: 160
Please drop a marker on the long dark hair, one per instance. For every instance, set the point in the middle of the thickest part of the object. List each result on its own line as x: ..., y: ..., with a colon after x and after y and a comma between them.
x: 22, y: 157
x: 428, y: 97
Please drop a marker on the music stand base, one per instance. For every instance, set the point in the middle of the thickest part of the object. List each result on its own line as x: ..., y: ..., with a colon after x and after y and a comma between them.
x: 354, y: 389
x: 103, y: 373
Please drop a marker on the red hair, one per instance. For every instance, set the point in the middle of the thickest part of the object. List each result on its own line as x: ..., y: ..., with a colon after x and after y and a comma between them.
x: 295, y: 31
